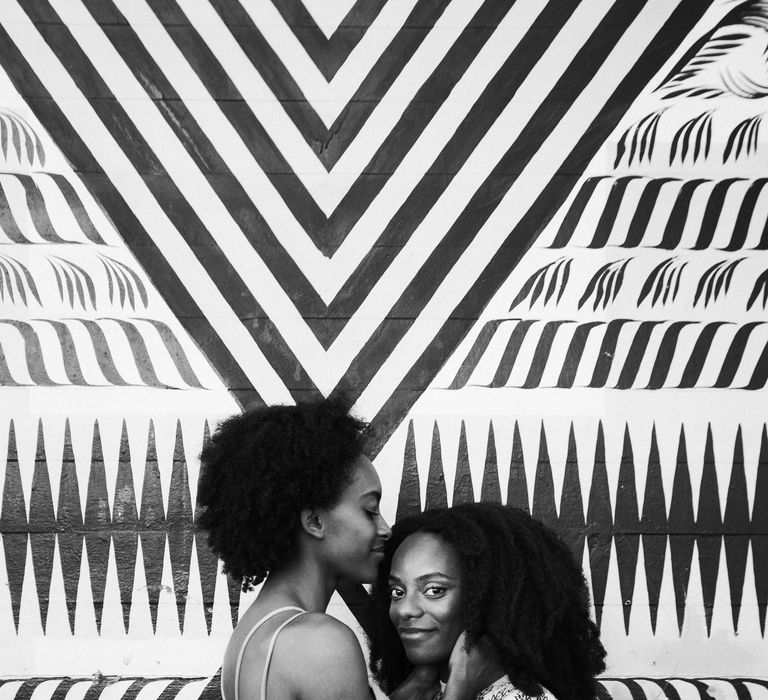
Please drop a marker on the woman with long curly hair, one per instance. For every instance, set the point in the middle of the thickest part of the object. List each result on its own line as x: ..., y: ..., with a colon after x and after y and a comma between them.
x: 502, y: 580
x: 289, y: 499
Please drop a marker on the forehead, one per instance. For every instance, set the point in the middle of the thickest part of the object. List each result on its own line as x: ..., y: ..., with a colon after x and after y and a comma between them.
x: 423, y: 553
x: 364, y: 478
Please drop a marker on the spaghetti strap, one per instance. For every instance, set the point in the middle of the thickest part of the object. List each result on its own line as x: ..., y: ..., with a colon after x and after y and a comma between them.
x: 247, y: 639
x: 263, y: 694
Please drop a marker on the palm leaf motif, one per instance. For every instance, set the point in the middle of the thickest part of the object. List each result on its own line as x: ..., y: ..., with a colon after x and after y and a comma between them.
x: 124, y: 283
x: 558, y: 271
x: 605, y: 284
x: 715, y: 50
x: 640, y: 138
x: 744, y: 136
x: 728, y: 59
x: 17, y: 136
x: 715, y: 280
x: 761, y: 285
x: 694, y: 137
x: 74, y: 283
x: 16, y: 280
x: 664, y: 281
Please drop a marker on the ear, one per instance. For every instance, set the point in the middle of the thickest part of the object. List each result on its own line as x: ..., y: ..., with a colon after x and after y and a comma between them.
x: 312, y: 523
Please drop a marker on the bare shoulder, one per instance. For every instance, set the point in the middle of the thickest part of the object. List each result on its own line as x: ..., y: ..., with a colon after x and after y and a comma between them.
x: 322, y: 636
x: 322, y: 657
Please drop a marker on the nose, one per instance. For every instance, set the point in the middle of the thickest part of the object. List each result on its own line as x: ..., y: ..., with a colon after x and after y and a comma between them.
x: 408, y: 607
x: 384, y: 530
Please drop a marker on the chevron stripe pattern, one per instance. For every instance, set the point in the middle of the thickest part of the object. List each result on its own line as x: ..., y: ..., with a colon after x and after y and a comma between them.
x: 528, y: 239
x: 320, y: 199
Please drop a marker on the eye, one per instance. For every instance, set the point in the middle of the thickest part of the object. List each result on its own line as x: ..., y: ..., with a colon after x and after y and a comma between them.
x: 372, y: 514
x: 434, y: 591
x: 395, y: 593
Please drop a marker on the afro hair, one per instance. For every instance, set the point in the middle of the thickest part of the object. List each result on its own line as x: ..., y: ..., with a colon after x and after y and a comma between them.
x: 261, y: 468
x: 523, y: 591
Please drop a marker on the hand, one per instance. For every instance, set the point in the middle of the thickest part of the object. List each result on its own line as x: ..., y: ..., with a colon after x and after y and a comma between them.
x: 471, y: 670
x: 422, y: 684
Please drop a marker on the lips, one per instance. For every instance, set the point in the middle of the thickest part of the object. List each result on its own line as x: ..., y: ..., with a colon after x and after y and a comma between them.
x: 414, y: 634
x: 378, y: 550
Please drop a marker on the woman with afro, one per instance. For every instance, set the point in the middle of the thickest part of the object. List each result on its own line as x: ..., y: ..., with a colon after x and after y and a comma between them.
x: 499, y: 579
x: 289, y: 499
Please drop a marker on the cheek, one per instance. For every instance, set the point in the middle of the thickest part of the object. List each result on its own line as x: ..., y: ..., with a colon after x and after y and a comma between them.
x: 451, y: 619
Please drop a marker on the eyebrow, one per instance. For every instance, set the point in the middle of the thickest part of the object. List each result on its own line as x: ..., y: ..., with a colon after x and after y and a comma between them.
x: 374, y: 492
x: 426, y: 577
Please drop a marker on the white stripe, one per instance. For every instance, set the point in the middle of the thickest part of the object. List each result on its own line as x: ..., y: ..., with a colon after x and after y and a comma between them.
x: 519, y: 197
x: 227, y: 141
x: 114, y: 691
x: 328, y: 15
x: 454, y: 199
x: 328, y: 188
x: 329, y: 98
x: 45, y: 689
x: 132, y: 187
x: 444, y: 124
x: 617, y: 690
x: 199, y: 194
x: 216, y: 217
x: 79, y: 689
x: 9, y: 689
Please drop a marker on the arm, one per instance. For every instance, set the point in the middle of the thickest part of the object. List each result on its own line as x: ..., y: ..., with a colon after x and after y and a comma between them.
x: 471, y: 670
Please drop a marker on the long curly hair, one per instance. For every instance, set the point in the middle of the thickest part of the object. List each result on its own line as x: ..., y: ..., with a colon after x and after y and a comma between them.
x: 521, y: 589
x: 261, y: 468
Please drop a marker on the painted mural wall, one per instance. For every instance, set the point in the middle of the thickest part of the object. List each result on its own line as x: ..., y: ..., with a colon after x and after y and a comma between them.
x: 529, y: 239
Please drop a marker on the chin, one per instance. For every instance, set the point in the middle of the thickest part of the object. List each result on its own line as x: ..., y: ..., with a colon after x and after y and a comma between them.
x: 363, y: 576
x: 425, y: 657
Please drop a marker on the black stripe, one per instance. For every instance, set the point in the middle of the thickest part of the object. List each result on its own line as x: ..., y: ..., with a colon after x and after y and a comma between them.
x: 158, y: 268
x: 666, y: 354
x: 178, y: 209
x: 365, y: 99
x: 604, y: 226
x: 485, y: 111
x: 661, y: 46
x: 487, y: 197
x: 744, y: 217
x: 77, y: 208
x: 636, y: 354
x: 712, y: 212
x: 575, y: 211
x: 475, y: 354
x: 330, y: 53
x: 698, y: 357
x: 8, y: 221
x: 574, y: 354
x: 735, y: 354
x: 541, y: 354
x: 639, y: 224
x: 204, y: 154
x: 673, y: 231
x: 511, y: 351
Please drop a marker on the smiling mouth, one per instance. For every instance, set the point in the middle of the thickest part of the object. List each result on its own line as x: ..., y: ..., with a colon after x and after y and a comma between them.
x: 413, y: 634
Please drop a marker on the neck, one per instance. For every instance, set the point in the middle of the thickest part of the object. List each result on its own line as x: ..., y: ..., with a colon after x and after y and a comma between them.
x: 300, y: 583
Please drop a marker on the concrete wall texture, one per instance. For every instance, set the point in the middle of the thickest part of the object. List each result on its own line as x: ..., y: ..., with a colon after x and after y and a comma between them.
x: 529, y: 239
